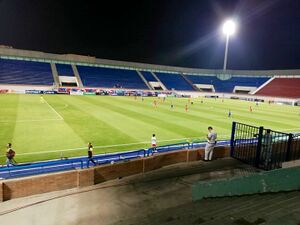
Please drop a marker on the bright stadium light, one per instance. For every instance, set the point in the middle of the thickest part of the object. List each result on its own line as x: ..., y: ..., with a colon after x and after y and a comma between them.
x: 229, y: 28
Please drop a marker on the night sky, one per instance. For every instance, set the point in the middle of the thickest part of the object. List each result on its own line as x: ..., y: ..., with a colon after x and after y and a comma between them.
x: 168, y: 32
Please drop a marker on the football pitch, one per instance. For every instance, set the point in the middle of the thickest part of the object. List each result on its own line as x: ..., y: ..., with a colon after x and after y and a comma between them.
x: 55, y: 126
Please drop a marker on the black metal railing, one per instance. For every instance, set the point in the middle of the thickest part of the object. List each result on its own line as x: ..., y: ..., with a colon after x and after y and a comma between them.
x: 263, y: 148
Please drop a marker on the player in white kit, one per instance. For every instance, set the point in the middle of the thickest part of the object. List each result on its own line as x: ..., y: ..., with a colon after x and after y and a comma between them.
x: 153, y: 143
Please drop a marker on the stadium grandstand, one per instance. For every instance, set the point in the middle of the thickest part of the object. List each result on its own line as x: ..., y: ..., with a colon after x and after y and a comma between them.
x: 51, y: 71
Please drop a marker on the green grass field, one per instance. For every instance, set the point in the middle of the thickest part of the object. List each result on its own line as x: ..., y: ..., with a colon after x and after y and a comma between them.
x: 62, y: 124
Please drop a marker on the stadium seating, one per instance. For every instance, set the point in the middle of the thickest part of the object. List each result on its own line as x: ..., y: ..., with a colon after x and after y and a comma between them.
x: 227, y: 85
x: 109, y: 78
x: 174, y: 81
x: 282, y: 87
x: 25, y: 72
x: 148, y: 76
x: 64, y: 70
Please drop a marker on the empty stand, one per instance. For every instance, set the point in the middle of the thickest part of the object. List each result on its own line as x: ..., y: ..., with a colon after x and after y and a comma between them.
x: 25, y: 72
x: 107, y: 77
x: 64, y: 70
x: 227, y: 85
x: 174, y: 81
x: 282, y: 87
x: 148, y: 76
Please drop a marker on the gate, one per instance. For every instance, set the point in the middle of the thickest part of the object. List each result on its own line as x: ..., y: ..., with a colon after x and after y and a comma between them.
x: 263, y: 148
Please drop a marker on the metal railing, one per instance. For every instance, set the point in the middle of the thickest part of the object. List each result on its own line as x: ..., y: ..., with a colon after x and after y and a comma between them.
x: 21, y: 170
x: 263, y: 148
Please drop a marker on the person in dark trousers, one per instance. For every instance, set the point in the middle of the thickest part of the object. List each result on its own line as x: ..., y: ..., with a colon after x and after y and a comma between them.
x: 90, y: 155
x: 229, y: 113
x: 10, y: 154
x: 266, y: 150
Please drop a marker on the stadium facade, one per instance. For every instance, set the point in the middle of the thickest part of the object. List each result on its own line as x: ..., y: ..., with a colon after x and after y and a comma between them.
x: 22, y: 70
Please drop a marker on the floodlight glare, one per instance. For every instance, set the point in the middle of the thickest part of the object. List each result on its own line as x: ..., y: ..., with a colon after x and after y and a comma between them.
x: 229, y: 27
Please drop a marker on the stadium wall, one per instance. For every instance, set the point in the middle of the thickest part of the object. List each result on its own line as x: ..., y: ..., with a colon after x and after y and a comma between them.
x: 20, y: 89
x: 264, y: 182
x: 22, y: 187
x: 1, y: 192
x: 290, y: 101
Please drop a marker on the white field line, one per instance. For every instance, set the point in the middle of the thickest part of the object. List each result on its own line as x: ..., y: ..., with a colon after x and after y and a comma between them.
x: 61, y: 118
x: 38, y: 120
x: 105, y: 146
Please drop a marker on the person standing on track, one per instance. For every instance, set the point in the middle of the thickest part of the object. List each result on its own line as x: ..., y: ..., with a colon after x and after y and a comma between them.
x: 10, y: 154
x: 153, y: 143
x: 90, y: 155
x: 211, y: 143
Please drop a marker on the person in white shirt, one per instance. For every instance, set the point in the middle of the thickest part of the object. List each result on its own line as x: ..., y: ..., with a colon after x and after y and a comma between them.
x: 153, y: 142
x: 211, y: 142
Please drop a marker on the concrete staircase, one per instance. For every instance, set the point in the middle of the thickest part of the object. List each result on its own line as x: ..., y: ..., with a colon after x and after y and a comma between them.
x: 158, y: 80
x: 190, y: 82
x: 76, y: 73
x: 55, y: 75
x: 145, y: 81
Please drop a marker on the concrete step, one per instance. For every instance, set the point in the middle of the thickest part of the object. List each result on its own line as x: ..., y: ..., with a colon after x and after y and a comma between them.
x: 230, y: 210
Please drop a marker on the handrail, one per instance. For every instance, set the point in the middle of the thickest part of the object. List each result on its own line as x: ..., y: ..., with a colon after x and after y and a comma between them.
x: 41, y: 164
x: 82, y: 162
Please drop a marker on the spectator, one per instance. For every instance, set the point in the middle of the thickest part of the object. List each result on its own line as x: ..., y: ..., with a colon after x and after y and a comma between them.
x: 90, y: 155
x: 153, y: 143
x: 10, y: 154
x: 266, y: 151
x: 211, y: 142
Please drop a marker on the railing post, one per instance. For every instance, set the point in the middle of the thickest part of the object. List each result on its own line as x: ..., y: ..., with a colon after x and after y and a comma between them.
x: 259, y: 144
x: 289, y: 148
x: 232, y: 139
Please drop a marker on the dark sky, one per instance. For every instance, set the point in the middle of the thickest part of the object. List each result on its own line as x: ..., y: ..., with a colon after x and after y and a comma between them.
x: 169, y: 32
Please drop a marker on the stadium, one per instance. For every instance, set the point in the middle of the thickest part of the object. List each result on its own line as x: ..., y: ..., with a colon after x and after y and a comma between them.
x: 53, y: 105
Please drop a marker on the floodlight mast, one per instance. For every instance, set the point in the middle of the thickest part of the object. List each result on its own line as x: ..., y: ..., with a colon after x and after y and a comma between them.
x: 228, y: 29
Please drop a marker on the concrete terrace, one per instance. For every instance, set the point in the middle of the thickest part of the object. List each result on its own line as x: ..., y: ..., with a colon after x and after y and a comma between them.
x: 162, y: 196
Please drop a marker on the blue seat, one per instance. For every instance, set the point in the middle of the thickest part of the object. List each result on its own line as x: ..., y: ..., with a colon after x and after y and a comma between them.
x: 64, y: 70
x: 148, y: 76
x: 109, y: 78
x: 25, y: 72
x: 174, y: 81
x: 227, y: 85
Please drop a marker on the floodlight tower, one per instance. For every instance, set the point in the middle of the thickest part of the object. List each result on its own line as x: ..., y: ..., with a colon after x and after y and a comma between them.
x: 228, y: 29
